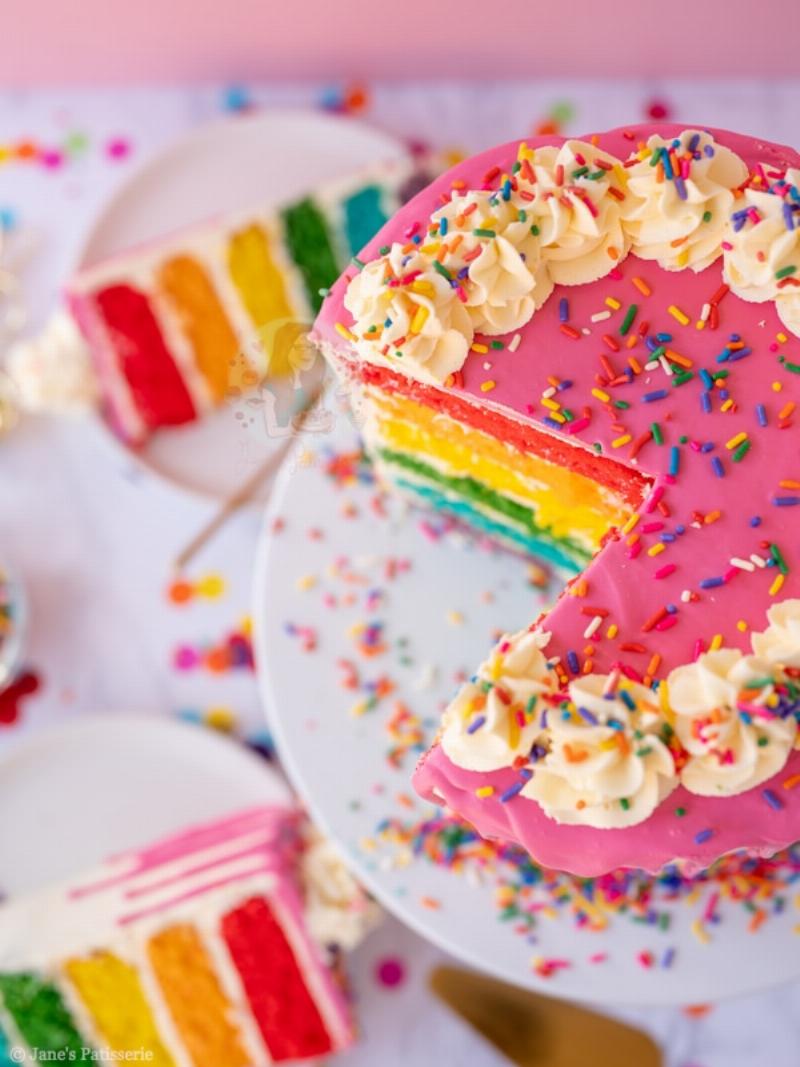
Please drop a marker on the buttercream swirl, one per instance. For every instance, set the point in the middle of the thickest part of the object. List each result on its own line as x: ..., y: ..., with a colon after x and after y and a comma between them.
x: 578, y: 191
x: 500, y: 259
x: 680, y: 196
x: 604, y: 751
x: 780, y: 642
x: 762, y: 245
x: 337, y: 910
x: 608, y: 763
x: 735, y: 723
x: 52, y: 372
x: 489, y: 258
x: 406, y: 310
x: 497, y: 716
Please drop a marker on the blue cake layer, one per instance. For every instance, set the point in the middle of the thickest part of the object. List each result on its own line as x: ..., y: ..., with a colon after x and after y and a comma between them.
x: 546, y: 550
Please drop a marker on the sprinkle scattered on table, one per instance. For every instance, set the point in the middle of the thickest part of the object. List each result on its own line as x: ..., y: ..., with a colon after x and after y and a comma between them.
x: 526, y: 894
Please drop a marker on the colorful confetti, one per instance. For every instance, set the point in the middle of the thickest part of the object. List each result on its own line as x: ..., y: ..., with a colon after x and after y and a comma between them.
x: 209, y: 587
x: 11, y: 698
x: 233, y: 653
x: 352, y: 99
x: 390, y: 972
x: 527, y: 894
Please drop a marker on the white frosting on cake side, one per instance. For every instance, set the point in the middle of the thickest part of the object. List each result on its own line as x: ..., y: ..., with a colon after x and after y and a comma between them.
x: 337, y: 910
x: 52, y: 371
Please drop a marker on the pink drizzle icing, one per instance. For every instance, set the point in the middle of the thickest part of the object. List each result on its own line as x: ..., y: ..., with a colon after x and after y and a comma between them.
x: 196, y: 891
x: 273, y: 827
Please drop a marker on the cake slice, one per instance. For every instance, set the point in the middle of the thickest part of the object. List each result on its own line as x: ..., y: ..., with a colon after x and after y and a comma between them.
x: 178, y: 326
x: 588, y: 350
x: 193, y: 950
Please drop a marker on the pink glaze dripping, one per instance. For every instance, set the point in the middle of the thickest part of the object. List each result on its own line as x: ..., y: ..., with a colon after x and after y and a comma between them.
x: 741, y: 822
x: 273, y: 820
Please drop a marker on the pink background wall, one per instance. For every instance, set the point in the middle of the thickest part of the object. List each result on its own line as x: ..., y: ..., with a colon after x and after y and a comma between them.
x: 86, y: 41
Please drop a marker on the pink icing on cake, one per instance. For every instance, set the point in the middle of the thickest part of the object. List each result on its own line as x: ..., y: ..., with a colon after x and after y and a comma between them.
x: 634, y: 591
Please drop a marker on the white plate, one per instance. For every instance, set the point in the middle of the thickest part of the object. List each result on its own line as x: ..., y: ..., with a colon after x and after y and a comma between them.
x: 72, y: 796
x: 227, y: 165
x: 338, y: 762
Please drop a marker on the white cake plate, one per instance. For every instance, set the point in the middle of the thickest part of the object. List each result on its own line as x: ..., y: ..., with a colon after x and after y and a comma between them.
x: 73, y: 795
x: 439, y: 617
x: 247, y: 160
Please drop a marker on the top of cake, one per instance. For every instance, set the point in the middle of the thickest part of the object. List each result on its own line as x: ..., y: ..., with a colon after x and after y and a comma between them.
x: 637, y: 294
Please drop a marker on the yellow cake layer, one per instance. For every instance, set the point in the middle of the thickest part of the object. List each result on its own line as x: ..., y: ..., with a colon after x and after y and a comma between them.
x: 112, y: 994
x: 197, y: 1003
x: 261, y: 286
x: 216, y: 348
x: 564, y: 502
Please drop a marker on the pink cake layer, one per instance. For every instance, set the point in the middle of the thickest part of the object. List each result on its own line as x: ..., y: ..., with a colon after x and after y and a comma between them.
x: 636, y: 591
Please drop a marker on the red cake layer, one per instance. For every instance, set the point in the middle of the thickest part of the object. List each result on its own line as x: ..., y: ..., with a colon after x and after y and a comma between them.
x: 156, y: 385
x: 284, y: 1009
x: 628, y: 483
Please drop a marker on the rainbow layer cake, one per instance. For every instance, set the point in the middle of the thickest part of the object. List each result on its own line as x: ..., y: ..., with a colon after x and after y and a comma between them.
x: 192, y: 952
x: 179, y: 325
x: 588, y: 350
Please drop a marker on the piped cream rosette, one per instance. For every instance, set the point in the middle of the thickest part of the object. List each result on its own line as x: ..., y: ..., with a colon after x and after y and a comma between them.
x: 604, y: 751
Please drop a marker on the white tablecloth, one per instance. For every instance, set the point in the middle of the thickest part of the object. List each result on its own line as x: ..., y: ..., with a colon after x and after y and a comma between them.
x: 94, y: 537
